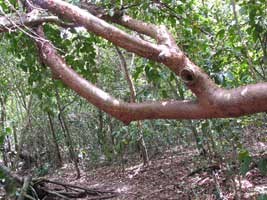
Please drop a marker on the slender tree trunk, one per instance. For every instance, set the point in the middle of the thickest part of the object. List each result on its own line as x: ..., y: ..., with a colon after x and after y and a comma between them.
x: 48, y: 151
x: 69, y: 142
x: 180, y: 95
x: 140, y: 141
x: 100, y: 129
x: 15, y: 138
x: 199, y: 144
x: 2, y: 126
x: 10, y: 155
x: 251, y: 67
x: 27, y: 127
x: 111, y: 137
x: 58, y: 156
x: 104, y: 138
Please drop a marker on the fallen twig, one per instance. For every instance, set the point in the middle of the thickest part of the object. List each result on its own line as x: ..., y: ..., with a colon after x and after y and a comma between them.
x: 74, y: 191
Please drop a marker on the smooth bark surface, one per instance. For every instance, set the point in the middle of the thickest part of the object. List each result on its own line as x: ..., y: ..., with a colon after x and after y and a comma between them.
x: 212, y: 101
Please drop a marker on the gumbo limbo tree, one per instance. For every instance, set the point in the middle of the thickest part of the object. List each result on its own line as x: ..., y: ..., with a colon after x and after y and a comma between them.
x: 153, y: 42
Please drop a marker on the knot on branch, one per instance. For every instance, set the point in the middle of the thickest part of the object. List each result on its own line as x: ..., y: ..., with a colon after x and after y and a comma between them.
x: 164, y: 54
x: 188, y: 76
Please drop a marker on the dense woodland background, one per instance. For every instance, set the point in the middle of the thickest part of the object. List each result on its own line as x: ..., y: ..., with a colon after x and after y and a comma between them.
x: 46, y: 127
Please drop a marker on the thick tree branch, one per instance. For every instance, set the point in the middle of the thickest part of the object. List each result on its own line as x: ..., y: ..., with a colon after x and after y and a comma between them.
x: 230, y: 103
x: 160, y: 33
x: 168, y: 54
x: 159, y: 53
x: 125, y: 112
x: 193, y: 77
x: 212, y: 101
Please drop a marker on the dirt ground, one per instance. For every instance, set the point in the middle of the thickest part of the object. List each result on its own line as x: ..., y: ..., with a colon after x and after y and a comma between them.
x: 178, y: 173
x: 173, y: 175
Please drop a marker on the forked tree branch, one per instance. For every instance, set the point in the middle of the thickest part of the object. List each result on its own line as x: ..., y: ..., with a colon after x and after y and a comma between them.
x: 212, y: 101
x: 123, y: 111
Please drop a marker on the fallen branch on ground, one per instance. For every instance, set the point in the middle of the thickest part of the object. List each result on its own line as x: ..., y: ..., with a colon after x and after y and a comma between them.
x: 69, y: 191
x: 40, y: 188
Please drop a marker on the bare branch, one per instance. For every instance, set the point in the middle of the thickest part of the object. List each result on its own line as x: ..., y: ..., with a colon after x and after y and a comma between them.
x: 169, y: 55
x: 212, y: 101
x: 127, y: 75
x: 226, y: 103
x: 35, y: 17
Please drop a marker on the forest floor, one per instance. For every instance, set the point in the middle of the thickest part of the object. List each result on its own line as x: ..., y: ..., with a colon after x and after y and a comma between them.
x: 175, y: 174
x: 168, y: 177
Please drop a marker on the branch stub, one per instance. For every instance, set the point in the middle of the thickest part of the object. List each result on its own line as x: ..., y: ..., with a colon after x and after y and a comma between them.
x: 188, y: 76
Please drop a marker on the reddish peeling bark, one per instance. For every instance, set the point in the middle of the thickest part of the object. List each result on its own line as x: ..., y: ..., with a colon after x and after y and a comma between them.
x: 212, y: 101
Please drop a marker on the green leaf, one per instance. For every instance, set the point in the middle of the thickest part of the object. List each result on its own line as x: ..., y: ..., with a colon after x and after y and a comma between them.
x: 221, y: 34
x: 262, y: 165
x: 245, y: 160
x: 8, y: 130
x: 262, y: 197
x: 3, y: 134
x: 164, y: 94
x: 138, y: 71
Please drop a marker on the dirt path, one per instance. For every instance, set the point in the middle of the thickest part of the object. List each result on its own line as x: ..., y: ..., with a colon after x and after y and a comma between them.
x: 170, y: 177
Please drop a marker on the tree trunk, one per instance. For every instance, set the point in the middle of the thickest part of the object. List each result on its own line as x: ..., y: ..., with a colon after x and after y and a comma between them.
x: 140, y: 141
x: 104, y: 139
x: 58, y: 156
x: 199, y: 144
x: 180, y: 95
x: 69, y: 142
x: 15, y: 138
x: 25, y: 130
x: 3, y: 131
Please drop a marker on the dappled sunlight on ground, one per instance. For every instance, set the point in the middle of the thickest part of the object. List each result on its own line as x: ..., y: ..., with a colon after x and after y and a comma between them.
x: 167, y: 177
x: 178, y: 173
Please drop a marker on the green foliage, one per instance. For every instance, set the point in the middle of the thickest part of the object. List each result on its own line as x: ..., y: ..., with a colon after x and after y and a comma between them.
x: 26, y: 56
x: 9, y: 183
x: 43, y: 170
x: 5, y: 7
x: 262, y: 165
x: 75, y: 2
x: 262, y: 197
x: 78, y: 48
x: 245, y: 160
x: 205, y: 30
x: 3, y: 133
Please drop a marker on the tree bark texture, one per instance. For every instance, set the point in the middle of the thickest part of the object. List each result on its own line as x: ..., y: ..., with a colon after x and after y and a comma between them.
x: 54, y: 139
x: 211, y: 101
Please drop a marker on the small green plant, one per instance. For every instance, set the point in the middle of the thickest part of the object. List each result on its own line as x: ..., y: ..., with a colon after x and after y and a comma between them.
x: 43, y: 170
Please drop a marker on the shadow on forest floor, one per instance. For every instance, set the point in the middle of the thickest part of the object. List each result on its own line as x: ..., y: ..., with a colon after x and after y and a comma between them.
x: 176, y: 174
